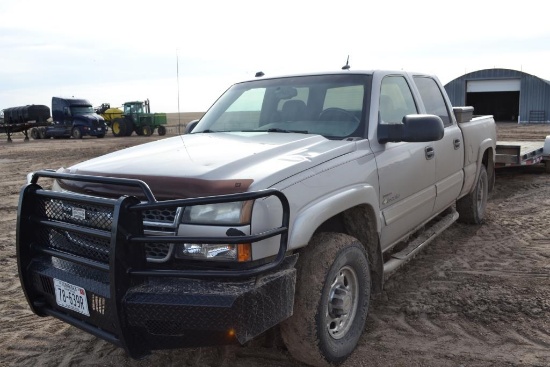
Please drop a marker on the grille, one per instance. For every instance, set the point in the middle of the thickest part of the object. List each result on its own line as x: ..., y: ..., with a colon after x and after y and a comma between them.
x: 76, y: 244
x: 167, y: 216
x: 93, y: 216
x: 101, y: 217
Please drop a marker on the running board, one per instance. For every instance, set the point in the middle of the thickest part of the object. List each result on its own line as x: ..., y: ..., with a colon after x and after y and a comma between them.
x: 402, y: 257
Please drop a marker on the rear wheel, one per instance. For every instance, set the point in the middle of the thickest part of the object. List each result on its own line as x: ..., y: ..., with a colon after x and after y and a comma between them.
x: 76, y: 133
x: 128, y: 127
x: 34, y: 133
x: 161, y: 130
x: 41, y: 134
x: 331, y: 300
x: 471, y: 208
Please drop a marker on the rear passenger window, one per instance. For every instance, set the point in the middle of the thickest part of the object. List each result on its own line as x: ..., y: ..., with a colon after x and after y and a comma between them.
x: 396, y: 100
x: 433, y: 98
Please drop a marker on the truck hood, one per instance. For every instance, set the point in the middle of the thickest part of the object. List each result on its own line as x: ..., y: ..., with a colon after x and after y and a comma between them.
x: 91, y: 117
x: 206, y: 164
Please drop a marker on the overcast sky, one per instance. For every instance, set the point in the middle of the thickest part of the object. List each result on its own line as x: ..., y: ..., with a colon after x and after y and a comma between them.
x: 117, y: 50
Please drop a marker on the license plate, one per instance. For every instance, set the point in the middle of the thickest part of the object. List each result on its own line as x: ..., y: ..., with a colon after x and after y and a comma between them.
x: 71, y: 296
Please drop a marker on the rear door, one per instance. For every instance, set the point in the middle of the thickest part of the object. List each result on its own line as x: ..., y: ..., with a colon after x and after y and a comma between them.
x: 406, y: 170
x: 449, y: 151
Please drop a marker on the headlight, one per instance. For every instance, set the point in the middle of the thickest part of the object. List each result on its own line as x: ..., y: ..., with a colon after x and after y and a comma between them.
x: 226, y: 214
x: 225, y: 252
x: 237, y: 214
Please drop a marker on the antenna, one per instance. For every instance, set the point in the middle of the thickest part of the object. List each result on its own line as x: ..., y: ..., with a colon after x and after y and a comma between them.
x: 346, y: 67
x: 178, y: 81
x: 259, y: 74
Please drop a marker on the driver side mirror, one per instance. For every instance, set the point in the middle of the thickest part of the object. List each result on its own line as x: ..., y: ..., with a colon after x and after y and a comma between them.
x: 190, y: 126
x: 415, y: 128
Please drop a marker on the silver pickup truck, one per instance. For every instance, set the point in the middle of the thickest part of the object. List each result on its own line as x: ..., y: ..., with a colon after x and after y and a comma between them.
x: 288, y: 204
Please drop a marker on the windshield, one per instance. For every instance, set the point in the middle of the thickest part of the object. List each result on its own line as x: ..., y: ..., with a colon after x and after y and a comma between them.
x: 329, y: 105
x: 81, y: 110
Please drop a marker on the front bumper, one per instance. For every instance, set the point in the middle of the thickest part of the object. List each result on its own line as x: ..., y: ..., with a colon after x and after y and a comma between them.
x: 165, y: 313
x: 102, y: 251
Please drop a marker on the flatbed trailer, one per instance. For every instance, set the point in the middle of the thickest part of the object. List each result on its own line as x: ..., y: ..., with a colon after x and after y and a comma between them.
x: 10, y: 128
x: 523, y: 153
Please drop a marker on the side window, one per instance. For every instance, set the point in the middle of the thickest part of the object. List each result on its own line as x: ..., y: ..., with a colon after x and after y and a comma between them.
x: 396, y: 100
x: 433, y: 98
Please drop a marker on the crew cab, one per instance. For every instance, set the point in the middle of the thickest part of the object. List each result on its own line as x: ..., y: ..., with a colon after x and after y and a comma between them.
x: 289, y: 203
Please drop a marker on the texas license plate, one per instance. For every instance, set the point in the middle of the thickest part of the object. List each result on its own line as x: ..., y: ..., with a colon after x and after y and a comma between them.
x: 71, y: 296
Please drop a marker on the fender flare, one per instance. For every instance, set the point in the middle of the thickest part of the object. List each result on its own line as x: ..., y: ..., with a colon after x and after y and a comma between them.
x: 310, y: 218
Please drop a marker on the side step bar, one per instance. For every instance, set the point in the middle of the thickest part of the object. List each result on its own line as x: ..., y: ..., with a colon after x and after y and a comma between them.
x: 402, y: 257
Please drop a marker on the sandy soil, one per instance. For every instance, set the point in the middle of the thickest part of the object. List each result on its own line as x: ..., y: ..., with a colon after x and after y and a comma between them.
x: 478, y: 296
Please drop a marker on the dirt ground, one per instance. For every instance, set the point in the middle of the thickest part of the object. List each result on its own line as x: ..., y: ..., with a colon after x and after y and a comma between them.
x: 478, y: 296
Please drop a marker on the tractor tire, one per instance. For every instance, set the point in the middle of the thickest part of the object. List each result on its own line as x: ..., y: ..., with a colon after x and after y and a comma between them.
x: 41, y: 134
x: 147, y: 130
x: 129, y: 127
x: 34, y: 133
x: 117, y: 127
x: 76, y: 133
x: 161, y: 130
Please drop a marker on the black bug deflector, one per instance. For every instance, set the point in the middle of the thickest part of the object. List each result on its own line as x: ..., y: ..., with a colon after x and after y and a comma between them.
x: 96, y: 246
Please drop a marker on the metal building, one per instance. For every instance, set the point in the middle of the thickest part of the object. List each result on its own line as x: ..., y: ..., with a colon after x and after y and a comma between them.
x: 508, y: 95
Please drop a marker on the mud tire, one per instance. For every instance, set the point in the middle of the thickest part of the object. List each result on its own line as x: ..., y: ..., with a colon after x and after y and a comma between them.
x: 471, y: 208
x: 327, y: 263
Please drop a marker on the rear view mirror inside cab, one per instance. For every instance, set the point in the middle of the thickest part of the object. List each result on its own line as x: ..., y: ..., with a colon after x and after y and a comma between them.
x: 286, y: 92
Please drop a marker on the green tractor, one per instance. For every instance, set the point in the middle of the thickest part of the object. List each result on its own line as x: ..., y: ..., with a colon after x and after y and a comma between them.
x: 137, y: 116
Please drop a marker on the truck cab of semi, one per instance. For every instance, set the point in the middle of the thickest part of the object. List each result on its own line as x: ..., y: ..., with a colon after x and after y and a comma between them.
x: 75, y: 117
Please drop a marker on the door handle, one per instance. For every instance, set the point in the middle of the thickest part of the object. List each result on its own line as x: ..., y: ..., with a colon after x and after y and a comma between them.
x: 430, y: 152
x: 456, y: 143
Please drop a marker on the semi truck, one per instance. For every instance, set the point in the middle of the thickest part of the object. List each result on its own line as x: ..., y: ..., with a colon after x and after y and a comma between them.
x: 72, y: 117
x: 288, y: 204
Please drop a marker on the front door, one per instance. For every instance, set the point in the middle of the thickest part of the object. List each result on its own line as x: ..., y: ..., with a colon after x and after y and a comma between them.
x: 406, y: 170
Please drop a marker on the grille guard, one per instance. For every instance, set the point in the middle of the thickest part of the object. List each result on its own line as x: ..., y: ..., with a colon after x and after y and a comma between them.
x: 126, y: 266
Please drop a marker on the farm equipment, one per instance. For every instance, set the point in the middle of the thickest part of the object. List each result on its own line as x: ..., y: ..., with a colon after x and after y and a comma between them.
x: 137, y: 117
x: 23, y: 118
x: 108, y: 113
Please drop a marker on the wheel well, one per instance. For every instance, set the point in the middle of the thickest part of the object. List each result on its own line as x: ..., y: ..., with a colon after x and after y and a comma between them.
x: 360, y: 222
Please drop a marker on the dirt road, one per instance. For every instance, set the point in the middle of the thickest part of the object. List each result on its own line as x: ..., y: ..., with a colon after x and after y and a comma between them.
x: 478, y: 296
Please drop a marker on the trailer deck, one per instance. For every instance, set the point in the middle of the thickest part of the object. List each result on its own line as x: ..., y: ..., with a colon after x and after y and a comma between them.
x: 522, y: 153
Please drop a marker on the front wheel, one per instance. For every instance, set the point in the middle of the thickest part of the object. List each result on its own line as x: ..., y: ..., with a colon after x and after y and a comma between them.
x: 471, y: 208
x: 331, y: 300
x: 76, y: 133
